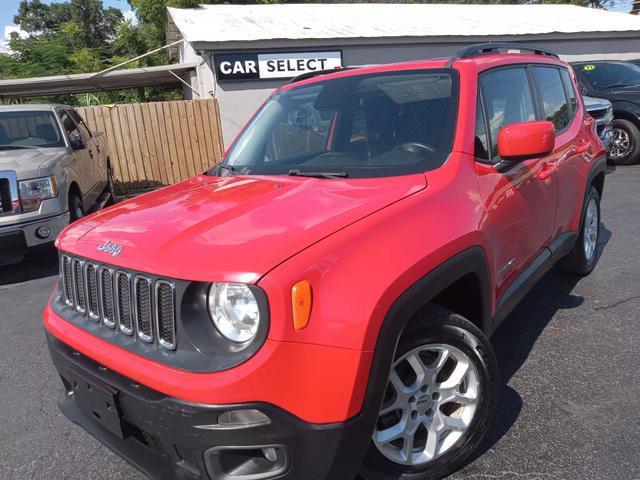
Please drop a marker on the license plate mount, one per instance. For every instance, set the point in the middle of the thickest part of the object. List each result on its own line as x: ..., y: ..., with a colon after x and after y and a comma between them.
x: 98, y: 401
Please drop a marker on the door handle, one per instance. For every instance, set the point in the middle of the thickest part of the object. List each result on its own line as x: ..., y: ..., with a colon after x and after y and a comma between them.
x: 547, y: 170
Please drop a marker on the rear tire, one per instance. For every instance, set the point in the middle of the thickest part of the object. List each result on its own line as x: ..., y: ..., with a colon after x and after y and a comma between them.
x: 76, y: 210
x: 625, y: 147
x: 450, y: 417
x: 582, y: 258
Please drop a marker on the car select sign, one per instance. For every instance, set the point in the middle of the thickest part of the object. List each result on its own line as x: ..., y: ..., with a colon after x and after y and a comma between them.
x: 248, y: 66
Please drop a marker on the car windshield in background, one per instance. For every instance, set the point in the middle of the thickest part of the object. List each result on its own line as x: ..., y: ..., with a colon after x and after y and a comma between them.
x: 28, y: 130
x: 607, y: 75
x: 358, y: 126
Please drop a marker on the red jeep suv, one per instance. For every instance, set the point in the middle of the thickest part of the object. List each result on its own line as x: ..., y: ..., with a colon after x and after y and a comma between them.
x: 318, y: 305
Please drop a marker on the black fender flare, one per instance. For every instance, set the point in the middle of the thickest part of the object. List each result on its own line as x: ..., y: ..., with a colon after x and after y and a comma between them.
x: 357, y: 435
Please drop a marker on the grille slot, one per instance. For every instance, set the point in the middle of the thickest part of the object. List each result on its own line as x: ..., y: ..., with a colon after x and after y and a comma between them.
x: 78, y: 285
x: 600, y: 113
x: 6, y: 205
x: 144, y: 313
x: 105, y: 291
x: 166, y: 314
x: 67, y: 280
x: 123, y: 293
x: 91, y: 279
x: 133, y: 304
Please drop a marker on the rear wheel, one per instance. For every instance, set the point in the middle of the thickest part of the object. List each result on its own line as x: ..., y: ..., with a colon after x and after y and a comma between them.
x: 582, y: 258
x: 440, y: 397
x: 625, y: 147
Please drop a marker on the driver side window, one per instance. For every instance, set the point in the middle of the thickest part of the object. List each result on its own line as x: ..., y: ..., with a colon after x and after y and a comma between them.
x: 507, y: 99
x: 70, y: 126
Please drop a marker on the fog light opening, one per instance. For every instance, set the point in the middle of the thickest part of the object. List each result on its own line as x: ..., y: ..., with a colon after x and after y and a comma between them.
x: 43, y: 233
x: 240, y: 463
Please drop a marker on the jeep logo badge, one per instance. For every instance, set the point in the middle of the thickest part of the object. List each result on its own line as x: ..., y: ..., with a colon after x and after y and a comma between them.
x: 111, y: 248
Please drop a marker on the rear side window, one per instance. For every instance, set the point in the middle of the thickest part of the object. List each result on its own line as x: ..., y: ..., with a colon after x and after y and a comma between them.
x: 568, y: 85
x: 507, y: 99
x: 555, y: 106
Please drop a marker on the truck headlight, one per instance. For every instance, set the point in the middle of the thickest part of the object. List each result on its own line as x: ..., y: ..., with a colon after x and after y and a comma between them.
x: 234, y: 311
x: 34, y: 191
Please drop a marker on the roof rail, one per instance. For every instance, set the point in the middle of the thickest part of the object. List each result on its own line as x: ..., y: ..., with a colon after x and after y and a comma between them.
x: 316, y: 73
x: 479, y: 49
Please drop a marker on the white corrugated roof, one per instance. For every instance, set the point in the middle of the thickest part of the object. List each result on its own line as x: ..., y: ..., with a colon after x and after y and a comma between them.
x: 233, y: 23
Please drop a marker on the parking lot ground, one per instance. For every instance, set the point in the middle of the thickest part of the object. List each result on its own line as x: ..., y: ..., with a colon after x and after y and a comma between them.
x: 569, y: 355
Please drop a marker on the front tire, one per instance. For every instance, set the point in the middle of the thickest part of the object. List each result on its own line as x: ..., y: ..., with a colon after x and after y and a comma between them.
x: 582, y: 258
x: 625, y: 147
x: 76, y: 210
x: 441, y: 395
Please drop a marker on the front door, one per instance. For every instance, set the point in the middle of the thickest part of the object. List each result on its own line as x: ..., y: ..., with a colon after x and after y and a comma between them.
x: 520, y: 201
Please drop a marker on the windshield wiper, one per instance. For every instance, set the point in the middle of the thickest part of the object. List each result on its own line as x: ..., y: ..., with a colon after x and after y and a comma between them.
x: 300, y: 173
x: 229, y: 168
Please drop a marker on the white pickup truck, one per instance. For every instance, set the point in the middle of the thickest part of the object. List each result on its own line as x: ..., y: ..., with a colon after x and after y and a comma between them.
x: 53, y: 170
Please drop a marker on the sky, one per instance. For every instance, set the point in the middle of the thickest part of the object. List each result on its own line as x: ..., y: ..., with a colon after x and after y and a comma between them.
x: 8, y: 8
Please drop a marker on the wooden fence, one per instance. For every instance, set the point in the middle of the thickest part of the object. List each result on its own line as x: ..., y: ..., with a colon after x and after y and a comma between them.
x: 158, y: 143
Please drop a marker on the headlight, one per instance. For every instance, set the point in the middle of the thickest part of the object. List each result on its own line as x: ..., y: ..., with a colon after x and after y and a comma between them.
x: 33, y: 192
x: 234, y: 311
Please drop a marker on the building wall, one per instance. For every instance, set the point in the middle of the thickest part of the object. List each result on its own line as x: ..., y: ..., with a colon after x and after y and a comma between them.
x: 239, y: 100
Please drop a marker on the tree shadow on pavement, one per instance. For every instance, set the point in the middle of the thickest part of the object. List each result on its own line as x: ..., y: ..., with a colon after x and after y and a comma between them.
x: 34, y: 266
x: 515, y: 338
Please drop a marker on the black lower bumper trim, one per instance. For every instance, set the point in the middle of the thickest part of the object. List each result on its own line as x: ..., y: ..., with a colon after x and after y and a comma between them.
x: 14, y: 244
x: 167, y: 438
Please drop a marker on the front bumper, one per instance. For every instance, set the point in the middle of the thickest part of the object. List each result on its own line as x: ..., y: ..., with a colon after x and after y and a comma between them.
x: 21, y: 238
x: 605, y: 132
x: 168, y: 438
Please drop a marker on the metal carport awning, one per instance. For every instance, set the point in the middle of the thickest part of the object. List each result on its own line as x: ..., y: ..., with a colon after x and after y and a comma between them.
x: 95, y: 82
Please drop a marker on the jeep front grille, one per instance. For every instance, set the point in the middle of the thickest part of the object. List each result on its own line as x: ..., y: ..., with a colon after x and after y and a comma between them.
x: 135, y: 303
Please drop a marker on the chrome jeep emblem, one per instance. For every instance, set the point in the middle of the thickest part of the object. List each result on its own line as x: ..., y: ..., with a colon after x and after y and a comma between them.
x: 112, y: 249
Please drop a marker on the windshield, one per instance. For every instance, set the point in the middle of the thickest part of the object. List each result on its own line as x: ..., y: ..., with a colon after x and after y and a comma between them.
x: 607, y: 75
x: 373, y: 125
x: 28, y: 130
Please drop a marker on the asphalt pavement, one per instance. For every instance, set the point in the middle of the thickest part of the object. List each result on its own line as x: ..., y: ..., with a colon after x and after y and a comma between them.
x: 569, y: 355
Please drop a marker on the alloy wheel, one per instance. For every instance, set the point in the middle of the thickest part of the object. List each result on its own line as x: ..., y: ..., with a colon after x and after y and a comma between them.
x: 430, y: 402
x: 591, y: 223
x: 621, y: 145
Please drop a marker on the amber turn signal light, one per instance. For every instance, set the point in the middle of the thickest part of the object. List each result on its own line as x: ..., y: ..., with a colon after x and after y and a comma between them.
x: 301, y: 303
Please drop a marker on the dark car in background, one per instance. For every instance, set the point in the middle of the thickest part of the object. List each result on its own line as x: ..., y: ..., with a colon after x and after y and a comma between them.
x: 602, y: 112
x: 618, y: 82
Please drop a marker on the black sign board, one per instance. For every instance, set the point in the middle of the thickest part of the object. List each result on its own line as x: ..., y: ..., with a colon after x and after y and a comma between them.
x: 254, y: 66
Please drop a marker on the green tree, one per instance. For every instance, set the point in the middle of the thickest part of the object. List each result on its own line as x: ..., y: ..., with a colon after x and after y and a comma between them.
x: 80, y: 36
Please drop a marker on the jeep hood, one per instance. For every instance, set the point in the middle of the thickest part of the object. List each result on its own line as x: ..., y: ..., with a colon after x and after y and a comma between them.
x: 29, y: 162
x: 233, y: 228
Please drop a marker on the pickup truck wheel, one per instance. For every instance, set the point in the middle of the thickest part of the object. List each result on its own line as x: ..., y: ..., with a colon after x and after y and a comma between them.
x: 625, y: 147
x: 440, y: 397
x: 76, y: 210
x: 582, y: 258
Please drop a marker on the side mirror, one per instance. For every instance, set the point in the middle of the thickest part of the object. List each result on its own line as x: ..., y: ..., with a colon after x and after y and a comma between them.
x: 520, y: 141
x: 76, y: 142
